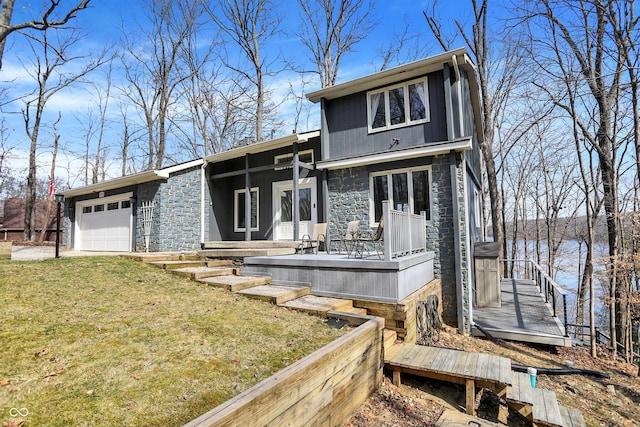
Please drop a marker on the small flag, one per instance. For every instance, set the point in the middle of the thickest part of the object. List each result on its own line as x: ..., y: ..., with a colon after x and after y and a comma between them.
x: 52, y: 188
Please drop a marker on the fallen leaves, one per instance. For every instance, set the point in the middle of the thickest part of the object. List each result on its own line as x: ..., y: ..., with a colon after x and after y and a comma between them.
x: 4, y: 382
x: 13, y: 423
x: 41, y: 353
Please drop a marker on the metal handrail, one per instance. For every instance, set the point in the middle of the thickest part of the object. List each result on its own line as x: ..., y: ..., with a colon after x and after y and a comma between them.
x: 547, y: 287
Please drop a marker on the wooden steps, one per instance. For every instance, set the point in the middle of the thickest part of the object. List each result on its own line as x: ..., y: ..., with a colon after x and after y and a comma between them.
x: 572, y: 417
x: 173, y: 264
x: 234, y: 283
x: 451, y: 418
x: 540, y: 405
x: 275, y: 293
x: 470, y: 369
x: 197, y: 273
x: 318, y: 306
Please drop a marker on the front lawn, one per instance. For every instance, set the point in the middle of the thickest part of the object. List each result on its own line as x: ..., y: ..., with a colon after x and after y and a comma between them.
x: 106, y: 341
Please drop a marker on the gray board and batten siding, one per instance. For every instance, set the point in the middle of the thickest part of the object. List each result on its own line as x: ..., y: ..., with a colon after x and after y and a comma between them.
x: 222, y: 190
x: 346, y: 119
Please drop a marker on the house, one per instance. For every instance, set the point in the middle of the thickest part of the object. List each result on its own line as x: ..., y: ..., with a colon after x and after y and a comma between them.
x: 407, y: 135
x: 12, y: 222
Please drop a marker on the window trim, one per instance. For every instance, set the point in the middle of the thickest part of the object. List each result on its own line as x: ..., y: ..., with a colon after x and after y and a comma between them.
x: 389, y: 174
x: 236, y: 228
x: 283, y: 158
x: 407, y: 106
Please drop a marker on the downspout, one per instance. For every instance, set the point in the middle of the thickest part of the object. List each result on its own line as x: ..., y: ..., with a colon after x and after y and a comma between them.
x: 203, y: 181
x: 469, y: 262
x: 453, y: 170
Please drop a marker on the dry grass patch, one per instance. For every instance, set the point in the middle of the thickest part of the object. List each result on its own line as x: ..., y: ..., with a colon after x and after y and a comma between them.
x: 110, y: 341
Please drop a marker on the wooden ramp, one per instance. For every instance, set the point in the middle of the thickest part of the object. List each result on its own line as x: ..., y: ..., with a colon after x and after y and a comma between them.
x: 470, y: 369
x: 523, y: 316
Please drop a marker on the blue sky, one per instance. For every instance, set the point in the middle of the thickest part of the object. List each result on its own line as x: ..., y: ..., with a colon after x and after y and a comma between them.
x: 103, y: 21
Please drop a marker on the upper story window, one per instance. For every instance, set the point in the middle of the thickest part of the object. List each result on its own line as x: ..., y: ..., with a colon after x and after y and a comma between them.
x: 397, y: 106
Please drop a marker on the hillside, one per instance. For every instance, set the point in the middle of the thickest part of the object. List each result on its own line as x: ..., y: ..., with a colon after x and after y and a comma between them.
x: 603, y: 402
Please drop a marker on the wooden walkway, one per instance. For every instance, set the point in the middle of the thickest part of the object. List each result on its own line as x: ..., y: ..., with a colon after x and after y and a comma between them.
x: 524, y: 316
x: 471, y: 369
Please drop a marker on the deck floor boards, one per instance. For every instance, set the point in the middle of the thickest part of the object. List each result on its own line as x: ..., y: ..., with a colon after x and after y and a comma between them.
x: 523, y: 311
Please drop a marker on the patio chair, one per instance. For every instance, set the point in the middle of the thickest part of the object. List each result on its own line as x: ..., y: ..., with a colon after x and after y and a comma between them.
x: 313, y: 242
x: 366, y: 237
x: 348, y: 239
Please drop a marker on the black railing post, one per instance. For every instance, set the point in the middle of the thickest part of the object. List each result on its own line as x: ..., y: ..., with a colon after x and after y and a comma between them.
x: 566, y: 322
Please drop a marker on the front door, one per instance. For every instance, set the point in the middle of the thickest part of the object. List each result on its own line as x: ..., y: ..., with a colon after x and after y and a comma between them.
x: 283, y: 208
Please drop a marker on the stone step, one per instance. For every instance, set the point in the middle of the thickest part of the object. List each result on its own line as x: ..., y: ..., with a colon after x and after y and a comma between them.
x: 318, y: 306
x: 572, y: 417
x: 197, y: 273
x: 161, y: 256
x: 169, y: 265
x: 219, y: 262
x: 236, y: 283
x: 275, y: 293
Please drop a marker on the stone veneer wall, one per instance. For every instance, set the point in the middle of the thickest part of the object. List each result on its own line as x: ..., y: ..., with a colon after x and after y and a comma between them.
x: 180, y: 211
x: 148, y: 191
x: 349, y: 200
x: 176, y: 216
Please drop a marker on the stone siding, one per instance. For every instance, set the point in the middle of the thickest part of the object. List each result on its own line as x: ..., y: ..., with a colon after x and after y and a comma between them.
x: 176, y: 215
x: 145, y: 192
x: 349, y: 200
x: 180, y: 211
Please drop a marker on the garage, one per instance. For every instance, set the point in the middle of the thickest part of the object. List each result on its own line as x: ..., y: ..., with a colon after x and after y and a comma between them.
x: 104, y: 224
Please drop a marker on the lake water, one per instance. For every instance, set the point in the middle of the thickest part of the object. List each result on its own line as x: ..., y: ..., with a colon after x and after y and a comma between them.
x: 568, y: 270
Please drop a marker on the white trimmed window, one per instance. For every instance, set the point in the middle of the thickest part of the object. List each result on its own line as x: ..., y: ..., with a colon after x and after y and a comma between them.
x: 398, y: 106
x: 410, y: 188
x: 305, y: 156
x: 238, y: 210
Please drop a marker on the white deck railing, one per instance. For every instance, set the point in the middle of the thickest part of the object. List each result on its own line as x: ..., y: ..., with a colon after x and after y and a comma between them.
x: 404, y: 233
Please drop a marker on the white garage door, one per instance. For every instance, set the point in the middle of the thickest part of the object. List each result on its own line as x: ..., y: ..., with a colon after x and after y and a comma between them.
x: 104, y: 224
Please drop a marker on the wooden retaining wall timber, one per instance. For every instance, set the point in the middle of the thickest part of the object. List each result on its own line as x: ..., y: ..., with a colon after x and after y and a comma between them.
x: 401, y: 317
x: 322, y: 389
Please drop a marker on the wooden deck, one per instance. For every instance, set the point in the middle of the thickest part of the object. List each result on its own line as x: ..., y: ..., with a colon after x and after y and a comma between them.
x: 471, y: 369
x: 524, y: 316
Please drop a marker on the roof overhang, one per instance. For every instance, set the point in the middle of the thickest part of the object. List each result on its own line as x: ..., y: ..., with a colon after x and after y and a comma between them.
x: 125, y: 181
x: 260, y: 147
x: 432, y: 149
x: 391, y: 76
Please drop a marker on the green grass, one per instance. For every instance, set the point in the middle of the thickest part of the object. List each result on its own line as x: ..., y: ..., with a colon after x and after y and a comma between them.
x: 110, y: 341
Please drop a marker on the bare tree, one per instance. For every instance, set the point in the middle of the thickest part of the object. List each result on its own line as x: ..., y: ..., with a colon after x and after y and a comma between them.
x: 331, y: 29
x: 498, y: 74
x: 52, y: 17
x: 581, y: 50
x: 52, y: 178
x: 155, y: 70
x: 249, y: 24
x: 51, y: 75
x: 402, y: 47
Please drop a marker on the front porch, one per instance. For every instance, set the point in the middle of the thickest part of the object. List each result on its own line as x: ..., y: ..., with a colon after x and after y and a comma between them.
x: 524, y: 315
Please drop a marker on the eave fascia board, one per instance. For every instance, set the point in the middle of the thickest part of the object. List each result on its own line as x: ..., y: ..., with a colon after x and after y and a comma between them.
x: 260, y: 147
x: 461, y: 144
x: 124, y: 181
x: 387, y: 77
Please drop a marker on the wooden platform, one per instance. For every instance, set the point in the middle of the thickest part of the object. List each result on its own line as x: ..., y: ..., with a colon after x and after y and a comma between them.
x: 471, y: 369
x: 524, y: 316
